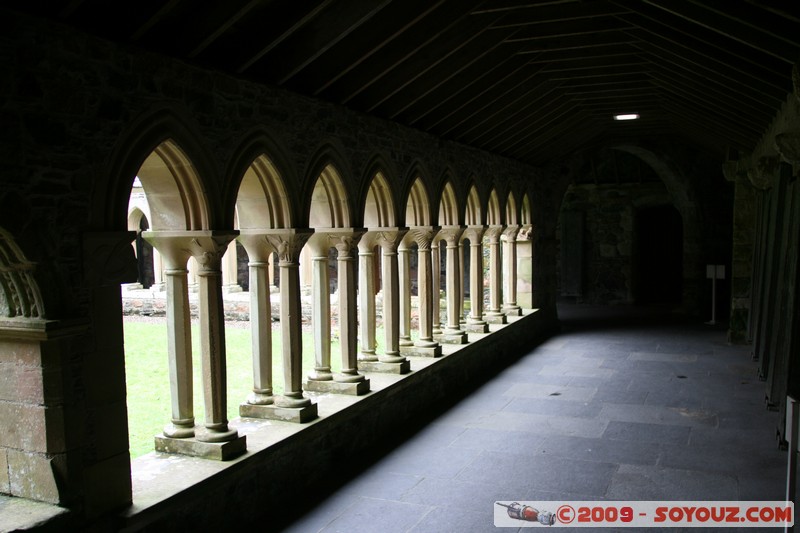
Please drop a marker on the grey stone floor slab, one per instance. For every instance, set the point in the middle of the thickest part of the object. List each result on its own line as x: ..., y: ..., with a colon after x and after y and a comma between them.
x: 615, y: 407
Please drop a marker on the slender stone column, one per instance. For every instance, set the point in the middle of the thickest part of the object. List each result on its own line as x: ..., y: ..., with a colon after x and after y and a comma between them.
x: 159, y: 284
x: 460, y: 281
x: 179, y: 332
x: 494, y: 315
x: 348, y: 381
x: 475, y: 322
x: 348, y: 323
x: 391, y: 361
x: 208, y: 251
x: 292, y: 405
x: 319, y: 244
x: 452, y: 333
x: 259, y: 252
x: 403, y: 253
x: 230, y: 270
x: 425, y: 345
x: 436, y: 263
x: 510, y: 276
x: 366, y: 297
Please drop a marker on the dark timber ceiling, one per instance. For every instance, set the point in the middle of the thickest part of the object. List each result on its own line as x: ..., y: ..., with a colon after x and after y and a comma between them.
x: 531, y: 80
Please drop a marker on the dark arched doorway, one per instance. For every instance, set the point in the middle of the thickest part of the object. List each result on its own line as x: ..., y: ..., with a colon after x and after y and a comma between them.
x: 658, y: 255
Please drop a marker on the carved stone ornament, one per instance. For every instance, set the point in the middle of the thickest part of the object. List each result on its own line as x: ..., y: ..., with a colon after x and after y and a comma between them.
x: 288, y: 247
x: 423, y: 238
x: 108, y: 258
x: 525, y: 233
x: 764, y: 174
x: 788, y: 145
x: 19, y: 292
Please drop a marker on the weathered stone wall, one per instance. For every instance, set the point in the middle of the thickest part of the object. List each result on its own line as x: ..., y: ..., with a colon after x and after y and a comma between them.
x: 609, y: 212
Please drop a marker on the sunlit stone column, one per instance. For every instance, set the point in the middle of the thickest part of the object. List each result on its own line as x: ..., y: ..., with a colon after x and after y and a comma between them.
x: 291, y: 405
x: 319, y: 245
x: 436, y: 263
x: 403, y: 263
x: 230, y: 270
x: 179, y: 333
x: 475, y: 322
x: 159, y: 283
x: 391, y: 361
x: 217, y: 439
x: 510, y: 276
x: 366, y: 297
x: 348, y: 381
x: 452, y: 333
x: 494, y: 314
x: 259, y: 252
x: 525, y: 267
x: 425, y: 345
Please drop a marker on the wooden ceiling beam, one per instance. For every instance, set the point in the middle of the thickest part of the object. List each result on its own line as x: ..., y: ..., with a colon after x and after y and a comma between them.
x: 552, y: 30
x: 558, y: 13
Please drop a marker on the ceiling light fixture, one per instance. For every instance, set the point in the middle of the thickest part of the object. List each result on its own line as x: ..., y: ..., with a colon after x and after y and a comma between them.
x: 629, y: 116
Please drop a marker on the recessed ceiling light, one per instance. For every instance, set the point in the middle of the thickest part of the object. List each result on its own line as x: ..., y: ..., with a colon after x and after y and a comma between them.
x: 629, y: 116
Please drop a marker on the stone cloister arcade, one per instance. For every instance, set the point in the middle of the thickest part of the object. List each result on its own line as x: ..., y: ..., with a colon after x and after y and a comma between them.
x: 297, y: 230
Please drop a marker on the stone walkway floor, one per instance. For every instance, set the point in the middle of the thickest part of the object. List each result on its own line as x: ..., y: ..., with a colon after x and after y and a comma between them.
x: 623, y: 404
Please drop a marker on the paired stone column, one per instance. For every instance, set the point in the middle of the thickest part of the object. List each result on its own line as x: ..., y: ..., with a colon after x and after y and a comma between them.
x: 216, y: 439
x: 366, y: 297
x: 259, y: 252
x: 475, y: 322
x: 494, y: 315
x: 452, y: 334
x: 510, y: 275
x: 425, y: 345
x: 230, y: 270
x: 392, y: 360
x: 291, y: 405
x: 348, y: 381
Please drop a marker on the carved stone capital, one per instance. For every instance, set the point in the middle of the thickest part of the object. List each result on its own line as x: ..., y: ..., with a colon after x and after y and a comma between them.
x: 510, y: 233
x: 763, y: 175
x: 256, y: 244
x: 493, y: 233
x: 288, y: 244
x: 450, y: 234
x: 525, y: 233
x: 206, y: 246
x: 788, y: 145
x: 389, y: 239
x: 474, y: 234
x: 423, y: 236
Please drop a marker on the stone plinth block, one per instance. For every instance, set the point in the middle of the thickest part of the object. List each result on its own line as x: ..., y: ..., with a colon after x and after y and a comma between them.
x: 477, y: 327
x: 451, y: 338
x: 423, y: 351
x: 495, y: 319
x: 513, y: 311
x: 274, y: 412
x: 354, y: 389
x: 385, y: 368
x: 220, y: 451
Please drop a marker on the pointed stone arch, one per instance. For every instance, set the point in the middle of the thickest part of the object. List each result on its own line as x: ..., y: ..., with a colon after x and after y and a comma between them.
x: 262, y: 201
x: 526, y: 217
x: 378, y: 207
x: 173, y: 189
x: 328, y: 206
x: 493, y: 217
x: 511, y: 209
x: 20, y: 296
x: 473, y: 212
x: 448, y: 206
x: 418, y: 210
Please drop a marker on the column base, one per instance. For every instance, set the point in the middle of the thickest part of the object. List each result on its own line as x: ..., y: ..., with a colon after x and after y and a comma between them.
x: 424, y: 351
x: 495, y: 318
x: 219, y: 451
x: 477, y: 327
x: 273, y: 412
x: 228, y: 289
x: 457, y: 337
x: 512, y: 311
x: 338, y: 387
x: 385, y: 368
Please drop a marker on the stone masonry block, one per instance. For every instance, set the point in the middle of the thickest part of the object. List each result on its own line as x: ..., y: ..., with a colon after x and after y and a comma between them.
x: 36, y: 476
x: 107, y: 484
x: 42, y: 430
x: 19, y: 383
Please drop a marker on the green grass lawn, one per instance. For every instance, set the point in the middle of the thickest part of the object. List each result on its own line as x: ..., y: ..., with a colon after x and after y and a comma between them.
x: 147, y: 375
